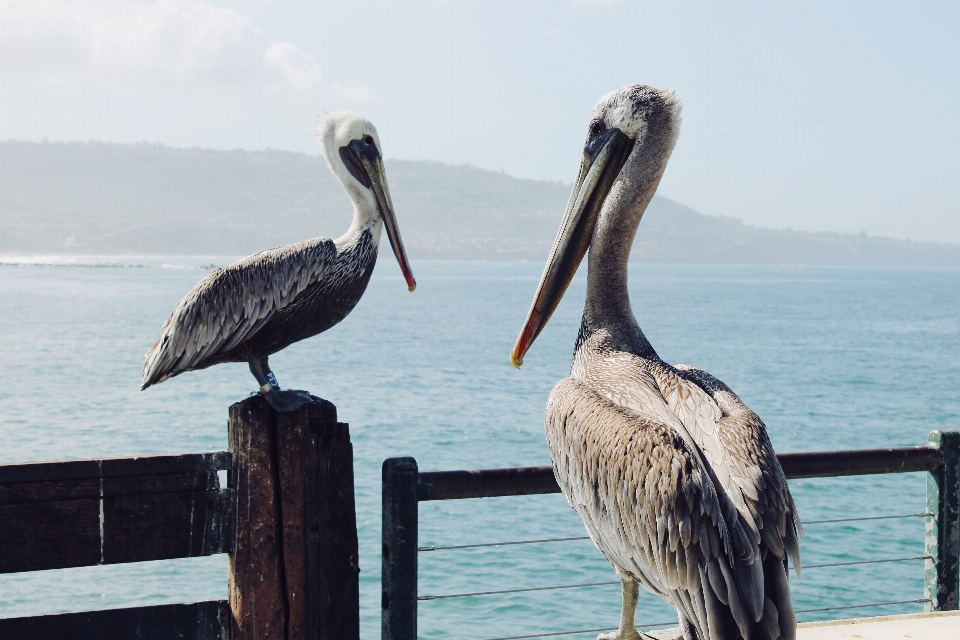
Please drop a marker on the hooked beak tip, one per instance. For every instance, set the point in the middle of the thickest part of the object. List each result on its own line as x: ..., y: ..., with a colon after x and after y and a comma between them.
x: 412, y: 287
x: 516, y: 360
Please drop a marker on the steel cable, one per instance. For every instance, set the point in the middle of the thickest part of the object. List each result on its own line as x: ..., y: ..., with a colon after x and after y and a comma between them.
x: 490, y: 593
x: 573, y: 538
x: 597, y: 584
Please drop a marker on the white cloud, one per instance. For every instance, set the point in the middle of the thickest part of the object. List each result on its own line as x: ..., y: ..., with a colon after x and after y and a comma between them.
x: 179, y: 41
x: 180, y: 72
x: 300, y: 69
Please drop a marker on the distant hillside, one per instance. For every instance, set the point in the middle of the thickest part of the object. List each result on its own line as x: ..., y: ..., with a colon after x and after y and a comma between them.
x: 95, y: 198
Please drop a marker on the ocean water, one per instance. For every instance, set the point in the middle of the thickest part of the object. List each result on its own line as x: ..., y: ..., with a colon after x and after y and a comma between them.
x: 829, y: 358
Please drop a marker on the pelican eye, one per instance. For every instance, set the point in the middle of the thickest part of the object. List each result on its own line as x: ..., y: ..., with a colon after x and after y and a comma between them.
x: 368, y: 140
x: 597, y: 127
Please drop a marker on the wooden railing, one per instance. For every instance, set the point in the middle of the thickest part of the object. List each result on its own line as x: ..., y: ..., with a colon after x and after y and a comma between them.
x: 404, y: 487
x: 287, y: 521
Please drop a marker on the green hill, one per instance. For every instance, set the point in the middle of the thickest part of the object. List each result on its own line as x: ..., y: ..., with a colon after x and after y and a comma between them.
x: 97, y: 198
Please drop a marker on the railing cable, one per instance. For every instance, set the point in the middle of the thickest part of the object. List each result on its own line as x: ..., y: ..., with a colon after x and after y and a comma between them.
x: 905, y: 515
x: 862, y: 606
x: 574, y: 538
x: 502, y: 544
x: 597, y: 584
x: 490, y: 593
x: 847, y: 564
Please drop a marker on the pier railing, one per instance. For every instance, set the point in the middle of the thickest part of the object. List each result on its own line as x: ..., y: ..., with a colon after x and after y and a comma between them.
x: 286, y: 519
x: 404, y: 487
x: 287, y: 522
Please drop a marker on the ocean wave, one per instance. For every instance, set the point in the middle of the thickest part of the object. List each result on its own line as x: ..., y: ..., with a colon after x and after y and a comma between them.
x: 118, y: 262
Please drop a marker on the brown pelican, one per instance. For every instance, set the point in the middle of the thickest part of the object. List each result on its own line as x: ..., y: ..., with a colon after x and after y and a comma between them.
x: 255, y: 307
x: 673, y: 476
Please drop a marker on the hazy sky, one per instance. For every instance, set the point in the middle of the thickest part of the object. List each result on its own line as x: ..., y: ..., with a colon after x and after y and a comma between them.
x: 837, y: 116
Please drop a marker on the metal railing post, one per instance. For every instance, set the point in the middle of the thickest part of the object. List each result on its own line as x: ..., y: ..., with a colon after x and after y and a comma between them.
x: 398, y: 616
x: 941, y: 584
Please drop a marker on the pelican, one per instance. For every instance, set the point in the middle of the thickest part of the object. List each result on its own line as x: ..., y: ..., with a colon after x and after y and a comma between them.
x: 255, y: 307
x: 674, y: 477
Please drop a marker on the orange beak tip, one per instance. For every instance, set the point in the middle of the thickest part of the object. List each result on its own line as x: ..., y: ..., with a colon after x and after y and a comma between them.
x: 515, y: 361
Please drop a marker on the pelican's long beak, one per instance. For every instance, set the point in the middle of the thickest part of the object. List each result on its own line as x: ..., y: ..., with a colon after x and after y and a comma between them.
x: 373, y: 166
x: 602, y: 161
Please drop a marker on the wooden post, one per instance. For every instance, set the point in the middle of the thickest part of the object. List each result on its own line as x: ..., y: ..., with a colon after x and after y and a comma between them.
x: 398, y: 601
x: 941, y: 583
x: 293, y: 573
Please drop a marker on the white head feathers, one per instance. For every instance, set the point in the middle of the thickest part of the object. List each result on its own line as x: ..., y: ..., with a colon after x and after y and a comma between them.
x: 634, y: 108
x: 338, y: 129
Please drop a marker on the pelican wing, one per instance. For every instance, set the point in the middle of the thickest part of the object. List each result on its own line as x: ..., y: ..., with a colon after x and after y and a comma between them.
x: 231, y: 304
x: 756, y: 476
x: 724, y: 433
x: 649, y: 504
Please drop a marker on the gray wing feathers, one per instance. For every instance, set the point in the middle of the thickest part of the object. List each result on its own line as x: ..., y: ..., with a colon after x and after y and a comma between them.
x: 655, y: 509
x: 754, y: 468
x: 231, y: 304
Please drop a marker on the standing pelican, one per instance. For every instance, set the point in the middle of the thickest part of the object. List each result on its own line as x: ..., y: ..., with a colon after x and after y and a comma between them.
x: 673, y: 476
x: 255, y: 307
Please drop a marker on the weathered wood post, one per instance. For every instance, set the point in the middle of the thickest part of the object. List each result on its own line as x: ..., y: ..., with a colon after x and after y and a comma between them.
x: 941, y: 583
x: 294, y: 571
x: 398, y: 602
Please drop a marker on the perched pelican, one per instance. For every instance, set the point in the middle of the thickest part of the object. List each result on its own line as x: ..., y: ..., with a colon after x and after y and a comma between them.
x: 255, y: 307
x: 673, y: 476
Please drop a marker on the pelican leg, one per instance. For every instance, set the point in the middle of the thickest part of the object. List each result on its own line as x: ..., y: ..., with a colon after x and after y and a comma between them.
x: 627, y: 630
x: 281, y: 400
x: 267, y: 383
x: 689, y: 633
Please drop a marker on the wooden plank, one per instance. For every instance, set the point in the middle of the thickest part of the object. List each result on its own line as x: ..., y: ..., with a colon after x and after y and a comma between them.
x: 941, y: 584
x: 163, y: 526
x: 486, y: 483
x: 339, y: 565
x: 254, y: 579
x: 74, y: 533
x: 190, y: 621
x: 826, y: 464
x: 293, y: 437
x: 49, y: 535
x: 398, y: 578
x: 311, y: 523
x: 114, y: 467
x: 518, y: 481
x: 59, y: 490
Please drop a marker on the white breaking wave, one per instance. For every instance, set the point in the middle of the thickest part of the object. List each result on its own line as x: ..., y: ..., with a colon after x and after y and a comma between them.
x: 119, y: 262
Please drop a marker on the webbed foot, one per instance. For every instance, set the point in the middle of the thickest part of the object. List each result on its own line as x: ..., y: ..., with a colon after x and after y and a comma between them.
x: 286, y: 400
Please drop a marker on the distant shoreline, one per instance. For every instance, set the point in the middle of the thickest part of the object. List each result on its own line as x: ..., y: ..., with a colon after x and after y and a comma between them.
x: 207, y: 262
x: 91, y: 199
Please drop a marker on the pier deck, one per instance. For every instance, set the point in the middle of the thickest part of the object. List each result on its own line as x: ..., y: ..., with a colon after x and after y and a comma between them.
x: 938, y: 625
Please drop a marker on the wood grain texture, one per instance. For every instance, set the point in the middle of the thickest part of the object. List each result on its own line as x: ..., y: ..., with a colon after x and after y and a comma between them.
x: 254, y: 582
x: 190, y: 621
x: 294, y: 571
x: 114, y: 467
x: 36, y: 536
x: 20, y: 492
x: 338, y: 555
x: 292, y: 445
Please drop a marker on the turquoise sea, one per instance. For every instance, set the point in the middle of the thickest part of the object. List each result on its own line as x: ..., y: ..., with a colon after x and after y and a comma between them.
x: 829, y: 358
